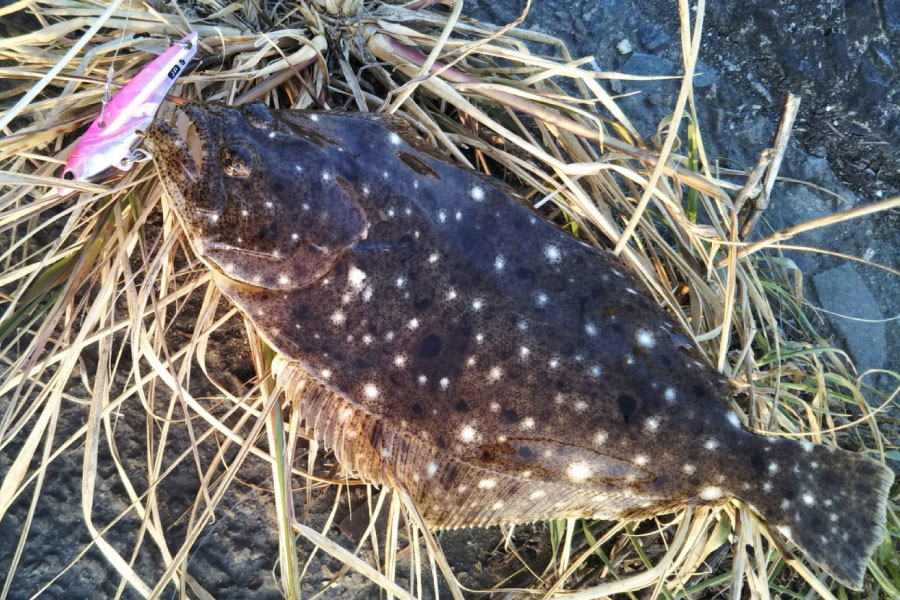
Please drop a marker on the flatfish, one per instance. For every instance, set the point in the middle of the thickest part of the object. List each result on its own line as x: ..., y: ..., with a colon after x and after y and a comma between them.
x: 442, y: 339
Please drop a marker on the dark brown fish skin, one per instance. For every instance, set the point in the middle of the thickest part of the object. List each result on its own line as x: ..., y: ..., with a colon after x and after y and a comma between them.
x: 443, y: 339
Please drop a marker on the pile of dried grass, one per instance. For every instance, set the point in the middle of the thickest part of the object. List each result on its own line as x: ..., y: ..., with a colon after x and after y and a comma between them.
x: 88, y: 274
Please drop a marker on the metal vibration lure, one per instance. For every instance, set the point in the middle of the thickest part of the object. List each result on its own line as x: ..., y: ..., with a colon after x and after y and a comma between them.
x: 112, y: 137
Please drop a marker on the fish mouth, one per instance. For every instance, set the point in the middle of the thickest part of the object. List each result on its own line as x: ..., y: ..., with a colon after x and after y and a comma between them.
x: 186, y: 128
x: 179, y: 149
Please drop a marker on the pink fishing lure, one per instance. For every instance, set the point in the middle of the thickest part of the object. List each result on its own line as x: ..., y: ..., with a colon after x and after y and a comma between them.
x: 111, y: 138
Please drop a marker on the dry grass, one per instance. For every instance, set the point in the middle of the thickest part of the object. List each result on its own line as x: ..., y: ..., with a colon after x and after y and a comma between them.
x: 94, y: 285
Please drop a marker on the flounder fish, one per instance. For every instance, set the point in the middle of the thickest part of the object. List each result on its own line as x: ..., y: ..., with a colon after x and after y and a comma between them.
x: 441, y: 338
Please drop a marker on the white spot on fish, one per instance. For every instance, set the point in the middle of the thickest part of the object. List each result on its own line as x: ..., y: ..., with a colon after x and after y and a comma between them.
x: 641, y: 460
x: 734, y: 419
x: 773, y: 467
x: 711, y: 493
x: 479, y: 337
x: 542, y: 299
x: 499, y: 263
x: 554, y: 363
x: 413, y: 323
x: 497, y: 505
x: 527, y: 423
x: 600, y: 437
x: 314, y: 117
x: 401, y: 281
x: 431, y: 469
x: 552, y: 253
x: 468, y: 434
x: 338, y: 317
x: 590, y: 329
x: 458, y: 215
x: 670, y: 395
x: 537, y: 494
x: 496, y: 373
x: 487, y: 484
x: 767, y: 486
x: 399, y: 360
x: 444, y: 383
x: 580, y: 406
x: 244, y: 213
x: 365, y: 190
x: 524, y: 352
x: 433, y: 258
x: 807, y: 445
x: 451, y: 294
x: 370, y: 390
x: 596, y: 371
x: 578, y: 471
x: 688, y: 468
x: 385, y: 175
x: 325, y: 373
x: 711, y: 444
x: 395, y: 139
x: 295, y: 237
x: 423, y: 380
x: 326, y: 176
x: 284, y: 280
x: 645, y: 339
x: 355, y: 276
x: 442, y: 216
x: 808, y: 499
x: 494, y: 407
x: 651, y: 424
x: 477, y: 193
x: 477, y: 304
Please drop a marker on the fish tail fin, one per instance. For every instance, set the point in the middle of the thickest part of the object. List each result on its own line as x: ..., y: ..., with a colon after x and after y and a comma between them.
x: 829, y: 502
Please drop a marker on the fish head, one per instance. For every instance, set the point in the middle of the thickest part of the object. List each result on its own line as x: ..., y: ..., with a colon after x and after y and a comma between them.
x: 252, y: 197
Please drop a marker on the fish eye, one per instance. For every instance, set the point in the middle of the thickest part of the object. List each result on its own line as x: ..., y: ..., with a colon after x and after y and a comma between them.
x: 238, y: 159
